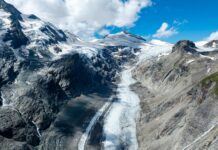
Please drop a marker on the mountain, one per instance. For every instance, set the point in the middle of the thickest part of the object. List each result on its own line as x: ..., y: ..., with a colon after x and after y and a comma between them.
x: 212, y: 44
x: 48, y: 80
x: 119, y: 92
x: 178, y: 99
x: 122, y: 39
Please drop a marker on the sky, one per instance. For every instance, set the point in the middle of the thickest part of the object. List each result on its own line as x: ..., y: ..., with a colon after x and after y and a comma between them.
x: 168, y: 20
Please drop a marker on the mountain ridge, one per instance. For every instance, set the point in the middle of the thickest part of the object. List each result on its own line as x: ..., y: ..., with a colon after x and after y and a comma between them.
x: 53, y: 86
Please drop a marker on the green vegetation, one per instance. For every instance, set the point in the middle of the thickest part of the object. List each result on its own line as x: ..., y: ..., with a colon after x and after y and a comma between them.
x: 208, y: 80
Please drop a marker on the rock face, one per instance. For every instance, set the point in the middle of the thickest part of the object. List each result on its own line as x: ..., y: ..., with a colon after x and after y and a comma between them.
x: 14, y: 34
x: 48, y: 91
x: 185, y: 46
x: 13, y: 126
x: 178, y: 99
x: 212, y: 44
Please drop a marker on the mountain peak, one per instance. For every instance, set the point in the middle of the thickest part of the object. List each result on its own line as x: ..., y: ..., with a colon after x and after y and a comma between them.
x: 122, y: 39
x: 10, y: 9
x: 185, y: 46
x: 126, y: 34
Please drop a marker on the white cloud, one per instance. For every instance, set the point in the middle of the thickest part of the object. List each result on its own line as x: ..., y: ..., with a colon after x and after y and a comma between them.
x: 84, y: 17
x: 104, y: 32
x: 165, y: 31
x: 213, y: 36
x: 180, y: 22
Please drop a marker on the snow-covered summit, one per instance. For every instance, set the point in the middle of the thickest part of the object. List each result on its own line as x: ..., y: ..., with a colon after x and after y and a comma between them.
x: 34, y: 38
x: 122, y: 39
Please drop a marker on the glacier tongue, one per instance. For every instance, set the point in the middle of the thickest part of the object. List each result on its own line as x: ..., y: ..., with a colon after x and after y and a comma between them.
x: 120, y: 122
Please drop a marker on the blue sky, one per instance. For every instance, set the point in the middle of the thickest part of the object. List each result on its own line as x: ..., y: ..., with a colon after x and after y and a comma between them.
x: 169, y: 20
x: 198, y: 18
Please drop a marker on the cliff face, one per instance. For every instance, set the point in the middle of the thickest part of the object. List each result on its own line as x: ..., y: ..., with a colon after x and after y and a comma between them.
x: 178, y: 99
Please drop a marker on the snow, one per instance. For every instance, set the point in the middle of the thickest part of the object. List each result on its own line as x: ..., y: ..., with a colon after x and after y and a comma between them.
x: 200, y: 43
x: 120, y: 122
x: 208, y: 57
x: 205, y: 49
x: 214, y: 45
x: 4, y: 101
x: 149, y: 50
x: 121, y: 39
x: 208, y: 70
x: 31, y: 28
x: 88, y: 51
x: 37, y: 128
x: 5, y: 22
x: 190, y: 61
x: 202, y: 48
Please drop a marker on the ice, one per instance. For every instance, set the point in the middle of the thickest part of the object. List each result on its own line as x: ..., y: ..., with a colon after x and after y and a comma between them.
x: 120, y: 122
x: 37, y: 128
x: 94, y: 120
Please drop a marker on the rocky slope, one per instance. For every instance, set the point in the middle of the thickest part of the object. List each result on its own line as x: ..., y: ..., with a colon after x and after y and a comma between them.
x: 213, y: 44
x: 178, y: 95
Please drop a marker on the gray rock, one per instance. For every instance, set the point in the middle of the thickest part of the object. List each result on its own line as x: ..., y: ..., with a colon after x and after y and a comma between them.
x: 13, y: 126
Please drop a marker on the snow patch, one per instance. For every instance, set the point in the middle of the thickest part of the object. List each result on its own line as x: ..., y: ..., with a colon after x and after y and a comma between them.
x: 4, y: 101
x: 5, y: 22
x: 190, y: 61
x: 37, y: 128
x: 208, y: 70
x: 208, y: 57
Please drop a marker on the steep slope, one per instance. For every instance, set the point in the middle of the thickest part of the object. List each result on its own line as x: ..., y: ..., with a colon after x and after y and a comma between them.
x: 51, y: 82
x: 178, y: 104
x: 43, y: 72
x: 212, y: 44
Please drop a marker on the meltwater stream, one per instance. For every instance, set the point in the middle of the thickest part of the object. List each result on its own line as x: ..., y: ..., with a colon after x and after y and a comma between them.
x: 120, y: 122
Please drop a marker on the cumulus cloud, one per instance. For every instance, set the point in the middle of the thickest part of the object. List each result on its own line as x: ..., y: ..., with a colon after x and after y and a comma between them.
x: 165, y: 31
x: 84, y: 17
x: 213, y: 36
